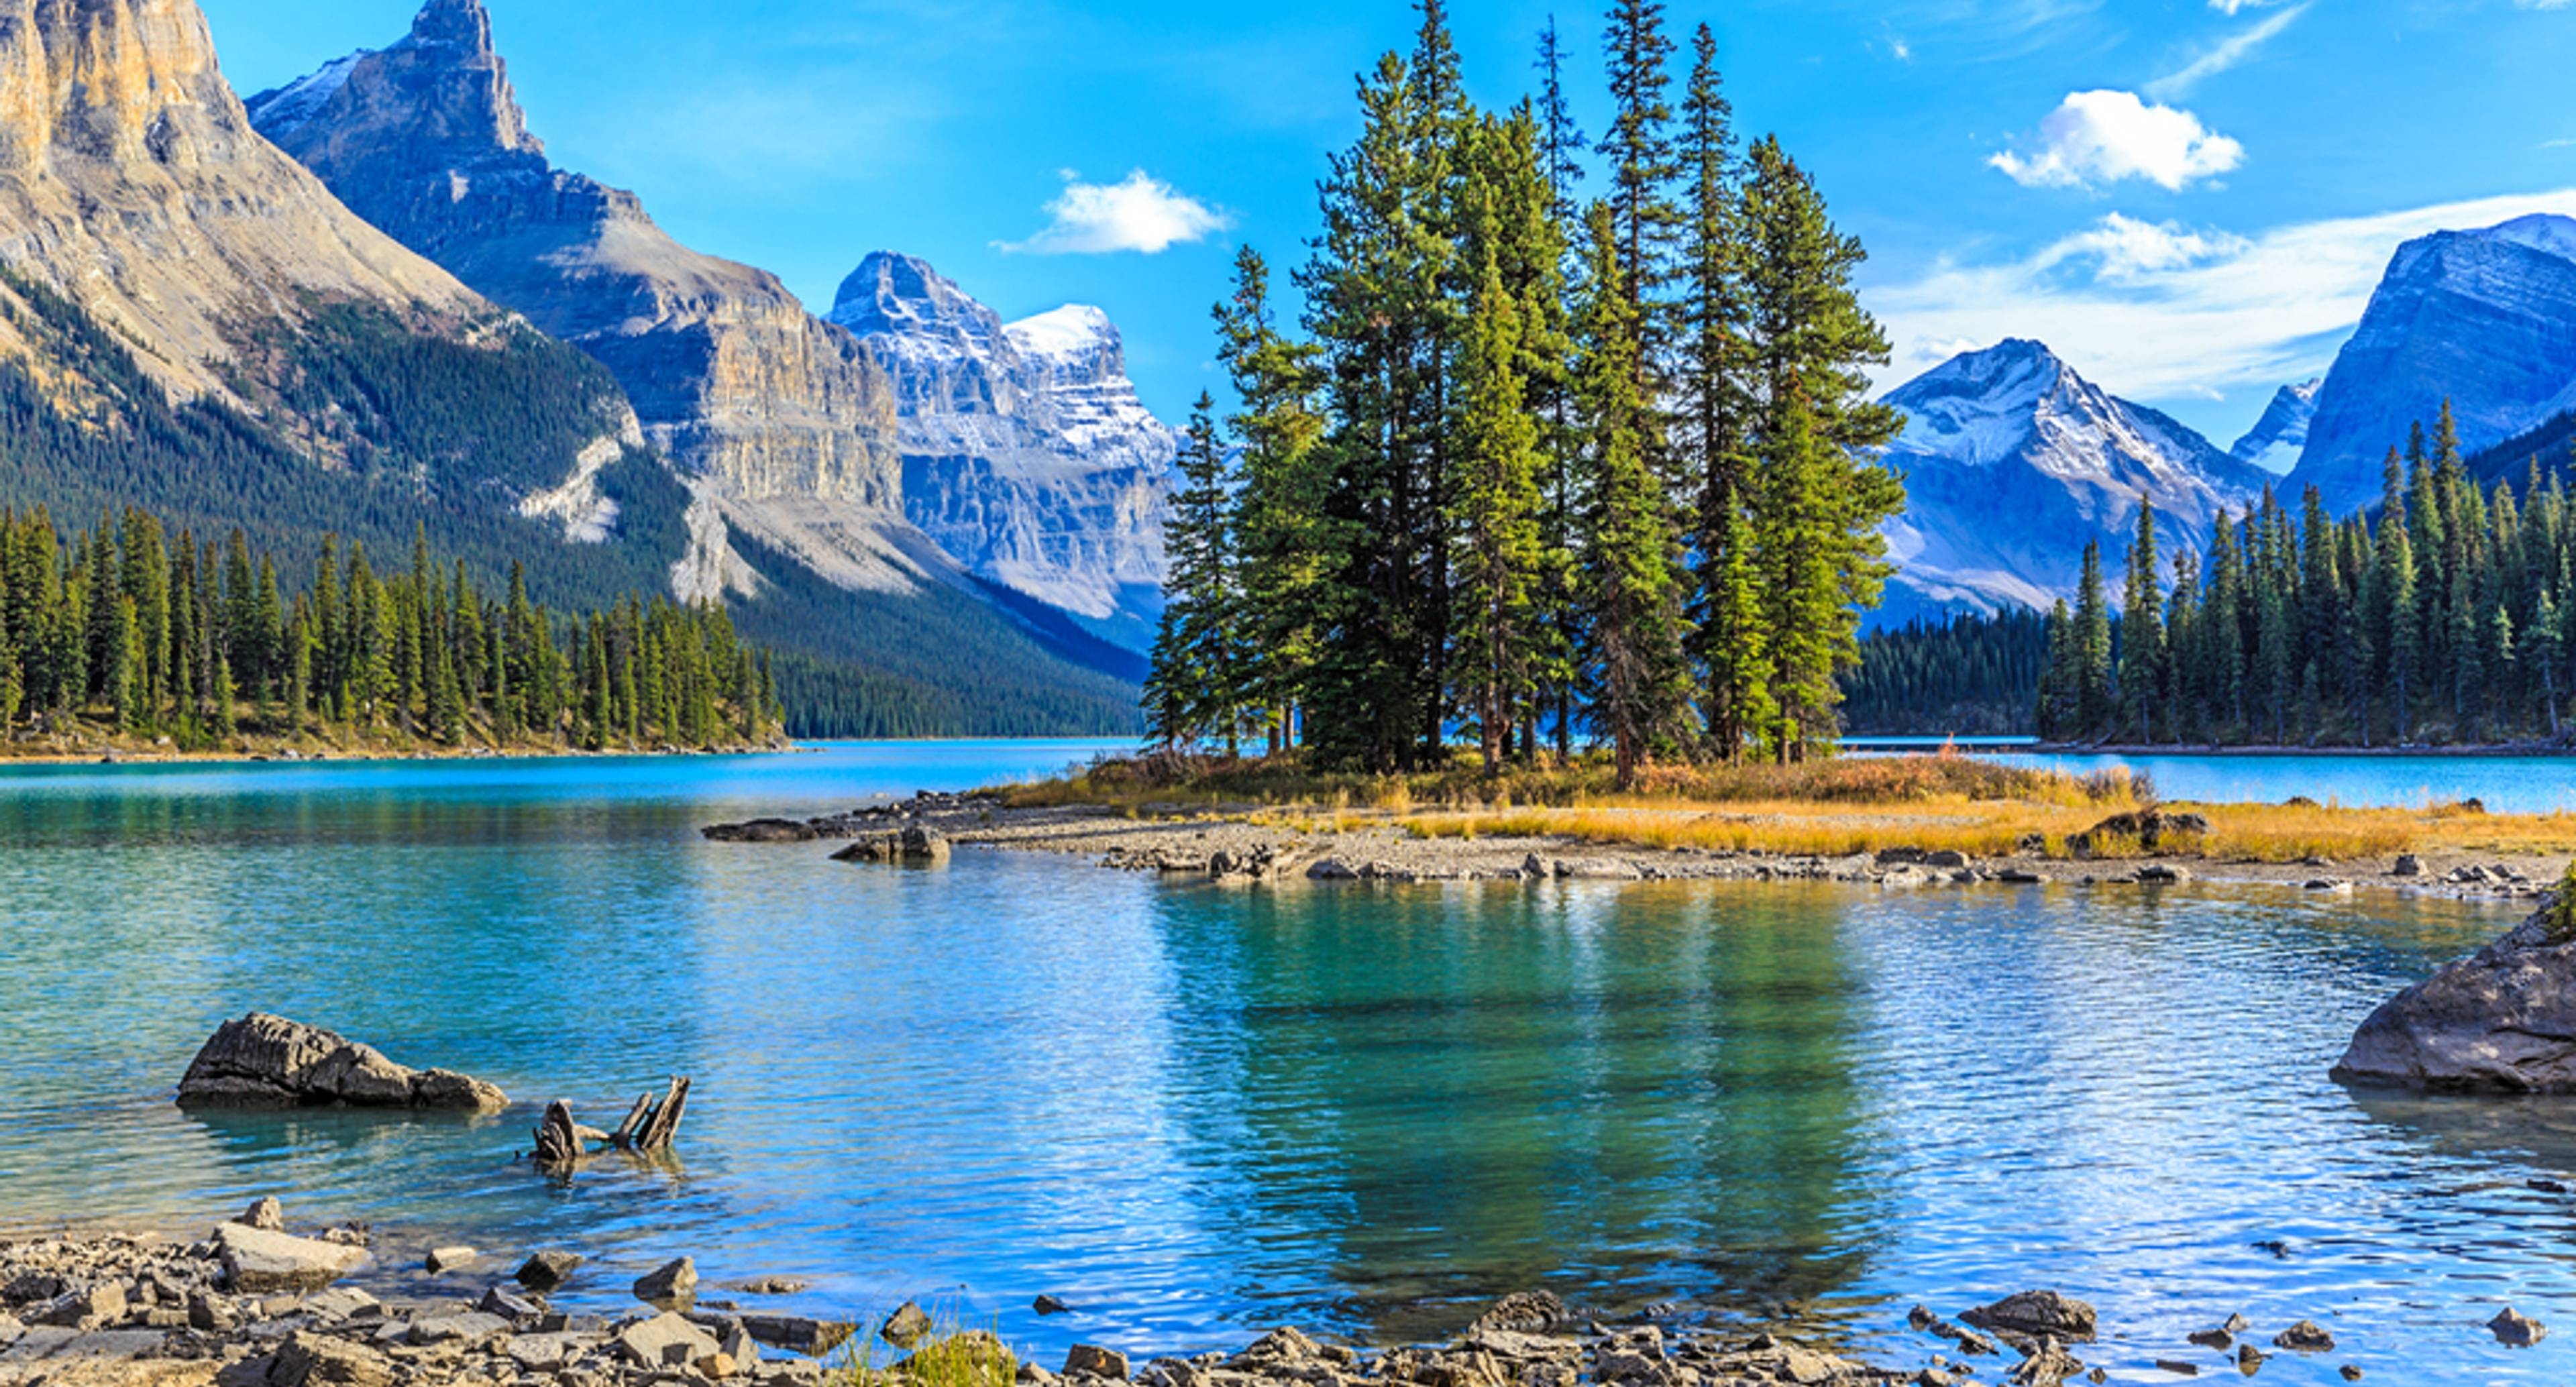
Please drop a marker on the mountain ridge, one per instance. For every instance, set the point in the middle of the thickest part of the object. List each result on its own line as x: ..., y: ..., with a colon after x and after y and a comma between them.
x: 2013, y: 432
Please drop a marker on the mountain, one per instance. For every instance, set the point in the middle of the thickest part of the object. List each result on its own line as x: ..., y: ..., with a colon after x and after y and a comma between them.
x: 191, y: 322
x: 781, y: 427
x: 2485, y: 319
x: 768, y: 412
x: 2275, y: 441
x: 2013, y: 462
x: 1026, y: 451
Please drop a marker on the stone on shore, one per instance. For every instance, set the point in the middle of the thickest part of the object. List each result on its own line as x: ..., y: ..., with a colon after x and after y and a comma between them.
x: 307, y: 1359
x: 2035, y: 1314
x: 798, y: 1334
x: 908, y: 1325
x: 2151, y: 829
x: 1094, y: 1361
x: 263, y: 1061
x: 447, y: 1259
x: 673, y: 1285
x: 1523, y: 1312
x: 547, y: 1271
x: 2502, y: 1020
x: 259, y: 1262
x: 264, y: 1213
x: 666, y: 1340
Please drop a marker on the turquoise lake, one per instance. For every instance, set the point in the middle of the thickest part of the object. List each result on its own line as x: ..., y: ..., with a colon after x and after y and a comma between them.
x: 1195, y: 1112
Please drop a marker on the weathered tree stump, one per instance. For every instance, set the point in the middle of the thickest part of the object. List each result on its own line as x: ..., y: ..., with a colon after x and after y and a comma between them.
x: 650, y: 1129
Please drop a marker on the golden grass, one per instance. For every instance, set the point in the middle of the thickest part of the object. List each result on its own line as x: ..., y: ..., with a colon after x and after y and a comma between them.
x: 1834, y: 808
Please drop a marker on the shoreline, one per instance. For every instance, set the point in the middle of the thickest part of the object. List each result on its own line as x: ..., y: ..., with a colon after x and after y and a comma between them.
x: 1228, y: 845
x: 252, y: 1304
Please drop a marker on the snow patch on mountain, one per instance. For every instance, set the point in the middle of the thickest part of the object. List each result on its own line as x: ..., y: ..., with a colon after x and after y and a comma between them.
x: 293, y: 106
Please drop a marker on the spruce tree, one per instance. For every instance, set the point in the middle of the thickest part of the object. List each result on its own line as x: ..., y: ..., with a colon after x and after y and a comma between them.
x: 1639, y: 679
x: 1495, y: 514
x: 1195, y: 687
x: 2142, y: 632
x: 2094, y: 709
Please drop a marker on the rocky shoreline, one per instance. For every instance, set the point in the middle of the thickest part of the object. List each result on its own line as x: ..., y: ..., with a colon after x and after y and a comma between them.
x: 252, y: 1305
x: 1231, y: 847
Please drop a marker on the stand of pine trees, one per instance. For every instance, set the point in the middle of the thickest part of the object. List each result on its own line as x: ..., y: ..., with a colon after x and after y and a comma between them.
x: 1536, y: 468
x: 133, y: 630
x: 2446, y: 617
x: 1971, y: 676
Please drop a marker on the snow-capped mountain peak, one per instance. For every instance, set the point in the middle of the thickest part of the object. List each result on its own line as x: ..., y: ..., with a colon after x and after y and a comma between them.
x: 2546, y: 232
x: 2014, y: 461
x: 2275, y: 441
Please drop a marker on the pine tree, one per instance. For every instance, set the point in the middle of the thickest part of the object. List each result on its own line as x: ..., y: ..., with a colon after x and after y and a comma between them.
x: 1495, y: 513
x: 1821, y: 500
x: 1195, y: 687
x: 1285, y: 545
x: 2142, y: 632
x: 2094, y: 709
x: 1639, y: 677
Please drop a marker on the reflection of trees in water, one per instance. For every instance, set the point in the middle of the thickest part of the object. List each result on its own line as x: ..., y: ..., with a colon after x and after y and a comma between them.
x: 1439, y: 1097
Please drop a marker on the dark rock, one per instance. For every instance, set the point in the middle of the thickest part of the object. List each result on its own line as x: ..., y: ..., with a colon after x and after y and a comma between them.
x: 2307, y: 1336
x: 2152, y: 829
x: 515, y: 1308
x: 2502, y: 1020
x: 1523, y: 1312
x: 798, y: 1334
x: 2177, y: 1367
x: 547, y: 1271
x: 2248, y: 1359
x: 1049, y: 1305
x: 2517, y: 1330
x: 672, y: 1285
x: 907, y: 1326
x: 2351, y: 1372
x: 2037, y: 1313
x: 1095, y: 1362
x: 2408, y: 865
x: 761, y: 831
x: 773, y: 1285
x: 2218, y: 1339
x: 268, y: 1061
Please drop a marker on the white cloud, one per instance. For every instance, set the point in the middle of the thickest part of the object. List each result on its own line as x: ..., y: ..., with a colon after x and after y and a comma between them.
x: 1141, y: 214
x: 2164, y: 313
x: 2233, y: 8
x: 2100, y: 137
x: 2125, y: 250
x: 2230, y: 51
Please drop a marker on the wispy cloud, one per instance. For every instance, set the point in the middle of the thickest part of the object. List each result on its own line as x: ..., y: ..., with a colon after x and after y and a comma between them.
x: 2230, y: 51
x: 2165, y: 312
x: 1141, y: 214
x: 2101, y: 137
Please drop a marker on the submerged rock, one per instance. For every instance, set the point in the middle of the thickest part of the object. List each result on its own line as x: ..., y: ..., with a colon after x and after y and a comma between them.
x: 2036, y: 1314
x: 2502, y: 1020
x: 761, y: 831
x: 2516, y: 1330
x: 265, y: 1061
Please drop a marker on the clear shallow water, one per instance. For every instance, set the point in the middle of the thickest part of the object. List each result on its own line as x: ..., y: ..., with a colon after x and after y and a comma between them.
x: 1195, y: 1112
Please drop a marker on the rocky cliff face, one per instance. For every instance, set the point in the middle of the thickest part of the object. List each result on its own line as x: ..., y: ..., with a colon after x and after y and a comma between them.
x: 2277, y: 439
x: 782, y: 423
x: 2014, y: 462
x: 2485, y: 319
x: 132, y: 182
x: 1026, y: 451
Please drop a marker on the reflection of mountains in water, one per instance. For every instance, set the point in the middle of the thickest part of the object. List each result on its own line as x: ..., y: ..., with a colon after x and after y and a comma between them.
x: 1625, y: 1104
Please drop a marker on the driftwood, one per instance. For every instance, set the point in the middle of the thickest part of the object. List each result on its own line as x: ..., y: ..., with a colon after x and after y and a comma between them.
x: 650, y: 1129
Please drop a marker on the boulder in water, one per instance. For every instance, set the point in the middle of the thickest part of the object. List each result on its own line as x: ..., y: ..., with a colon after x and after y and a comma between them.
x: 2502, y: 1020
x: 263, y: 1061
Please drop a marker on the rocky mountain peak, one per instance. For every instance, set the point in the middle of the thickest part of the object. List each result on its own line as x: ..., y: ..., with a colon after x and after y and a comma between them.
x: 1074, y: 345
x: 917, y: 311
x: 443, y: 90
x: 112, y: 81
x: 2483, y: 319
x: 2276, y: 439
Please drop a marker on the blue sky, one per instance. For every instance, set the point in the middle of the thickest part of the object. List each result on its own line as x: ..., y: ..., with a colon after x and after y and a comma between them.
x: 2189, y: 199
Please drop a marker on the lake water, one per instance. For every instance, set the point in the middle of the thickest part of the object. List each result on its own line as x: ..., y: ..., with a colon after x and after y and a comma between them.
x: 1195, y: 1112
